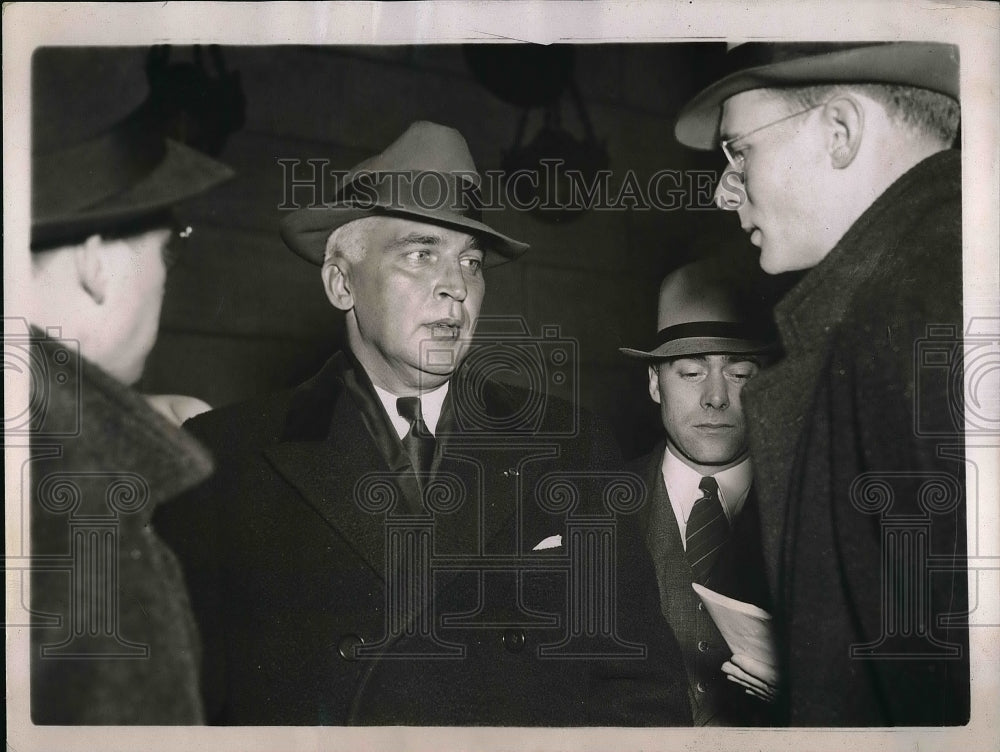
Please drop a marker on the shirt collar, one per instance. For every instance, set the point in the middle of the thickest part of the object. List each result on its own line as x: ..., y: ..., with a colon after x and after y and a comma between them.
x: 431, y: 403
x: 682, y: 485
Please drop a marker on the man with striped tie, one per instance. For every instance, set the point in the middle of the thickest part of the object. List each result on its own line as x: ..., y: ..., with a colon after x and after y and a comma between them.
x: 701, y: 522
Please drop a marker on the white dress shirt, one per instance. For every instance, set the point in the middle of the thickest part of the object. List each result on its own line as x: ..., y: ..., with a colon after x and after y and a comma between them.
x: 682, y: 487
x: 430, y: 408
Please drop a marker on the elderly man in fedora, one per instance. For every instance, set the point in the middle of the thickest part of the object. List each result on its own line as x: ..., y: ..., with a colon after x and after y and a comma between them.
x: 701, y: 524
x: 838, y: 160
x: 371, y: 549
x: 113, y: 637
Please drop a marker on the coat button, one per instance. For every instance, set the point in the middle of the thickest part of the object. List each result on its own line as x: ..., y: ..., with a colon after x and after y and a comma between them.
x: 510, y: 472
x: 513, y: 640
x: 701, y: 606
x: 702, y: 646
x: 700, y: 687
x: 347, y: 645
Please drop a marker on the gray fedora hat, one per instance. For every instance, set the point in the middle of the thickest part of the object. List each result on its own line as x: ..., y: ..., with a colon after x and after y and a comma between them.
x: 702, y: 311
x: 100, y: 161
x: 427, y: 175
x: 761, y: 65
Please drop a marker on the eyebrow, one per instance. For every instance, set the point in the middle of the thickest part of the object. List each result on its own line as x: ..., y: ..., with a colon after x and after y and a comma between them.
x: 736, y: 358
x: 730, y: 358
x: 417, y: 238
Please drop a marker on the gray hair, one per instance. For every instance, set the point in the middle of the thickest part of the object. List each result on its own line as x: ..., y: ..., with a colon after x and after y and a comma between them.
x: 922, y: 111
x: 349, y: 241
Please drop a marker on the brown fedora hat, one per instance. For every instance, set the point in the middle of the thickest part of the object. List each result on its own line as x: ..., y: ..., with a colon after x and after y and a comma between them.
x: 100, y: 161
x: 703, y: 310
x: 761, y: 65
x: 427, y: 174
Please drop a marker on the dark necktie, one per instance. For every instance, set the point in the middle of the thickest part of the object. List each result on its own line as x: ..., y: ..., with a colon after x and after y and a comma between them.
x: 418, y: 442
x: 707, y: 531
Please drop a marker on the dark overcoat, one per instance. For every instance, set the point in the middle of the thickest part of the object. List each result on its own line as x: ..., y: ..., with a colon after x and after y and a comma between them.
x: 325, y: 599
x: 858, y: 454
x: 738, y: 573
x: 113, y: 639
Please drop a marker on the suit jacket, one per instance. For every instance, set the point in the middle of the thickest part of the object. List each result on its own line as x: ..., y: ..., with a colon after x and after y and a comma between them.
x: 738, y: 572
x: 857, y: 445
x: 113, y: 637
x: 324, y: 598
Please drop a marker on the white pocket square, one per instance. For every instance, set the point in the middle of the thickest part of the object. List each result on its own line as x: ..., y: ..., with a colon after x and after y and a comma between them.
x: 553, y: 541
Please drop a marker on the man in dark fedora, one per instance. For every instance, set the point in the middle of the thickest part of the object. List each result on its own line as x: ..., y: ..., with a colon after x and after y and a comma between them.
x: 701, y: 523
x: 113, y: 639
x: 378, y: 545
x: 839, y: 161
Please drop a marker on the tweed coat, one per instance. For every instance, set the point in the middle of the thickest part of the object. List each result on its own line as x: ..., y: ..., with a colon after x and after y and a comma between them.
x: 737, y: 573
x: 313, y: 614
x: 856, y: 451
x: 113, y: 637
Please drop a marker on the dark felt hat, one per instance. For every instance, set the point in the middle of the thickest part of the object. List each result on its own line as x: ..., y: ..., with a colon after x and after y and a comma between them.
x: 704, y: 310
x: 760, y: 65
x: 427, y: 175
x: 99, y: 159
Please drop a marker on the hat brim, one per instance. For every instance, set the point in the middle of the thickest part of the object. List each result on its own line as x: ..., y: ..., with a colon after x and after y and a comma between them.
x: 929, y: 65
x: 306, y: 231
x: 182, y: 173
x: 701, y: 346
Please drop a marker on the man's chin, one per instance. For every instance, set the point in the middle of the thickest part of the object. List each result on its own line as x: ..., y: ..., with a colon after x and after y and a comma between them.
x: 442, y: 358
x: 709, y: 459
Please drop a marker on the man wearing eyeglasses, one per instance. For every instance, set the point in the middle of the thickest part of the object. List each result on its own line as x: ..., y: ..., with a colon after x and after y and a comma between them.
x: 113, y: 637
x: 839, y: 161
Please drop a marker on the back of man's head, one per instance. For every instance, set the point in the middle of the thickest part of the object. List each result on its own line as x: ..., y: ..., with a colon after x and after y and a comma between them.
x: 104, y: 178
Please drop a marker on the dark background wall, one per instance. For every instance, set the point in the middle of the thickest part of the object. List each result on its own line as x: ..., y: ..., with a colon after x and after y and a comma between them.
x: 243, y: 315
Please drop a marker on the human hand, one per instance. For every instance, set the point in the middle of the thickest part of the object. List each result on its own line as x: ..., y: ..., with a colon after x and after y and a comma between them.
x: 759, y: 679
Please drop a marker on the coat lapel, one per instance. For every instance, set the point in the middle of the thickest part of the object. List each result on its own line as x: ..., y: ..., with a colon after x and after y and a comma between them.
x: 325, y: 450
x: 328, y: 448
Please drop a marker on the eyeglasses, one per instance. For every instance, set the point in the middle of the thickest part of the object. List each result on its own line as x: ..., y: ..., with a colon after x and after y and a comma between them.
x: 180, y: 236
x: 737, y: 160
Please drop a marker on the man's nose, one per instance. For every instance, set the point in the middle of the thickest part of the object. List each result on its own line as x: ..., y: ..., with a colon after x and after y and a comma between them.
x: 451, y: 282
x: 715, y: 392
x: 730, y: 193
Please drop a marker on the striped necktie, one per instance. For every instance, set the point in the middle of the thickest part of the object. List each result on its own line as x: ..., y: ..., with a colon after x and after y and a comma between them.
x: 418, y: 441
x: 707, y: 531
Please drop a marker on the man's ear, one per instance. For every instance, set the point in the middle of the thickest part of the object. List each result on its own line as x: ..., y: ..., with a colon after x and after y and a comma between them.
x: 654, y: 383
x: 91, y: 268
x: 337, y: 286
x: 844, y: 117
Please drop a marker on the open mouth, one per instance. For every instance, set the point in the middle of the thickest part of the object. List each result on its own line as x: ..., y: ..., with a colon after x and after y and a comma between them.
x: 753, y: 232
x: 447, y: 330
